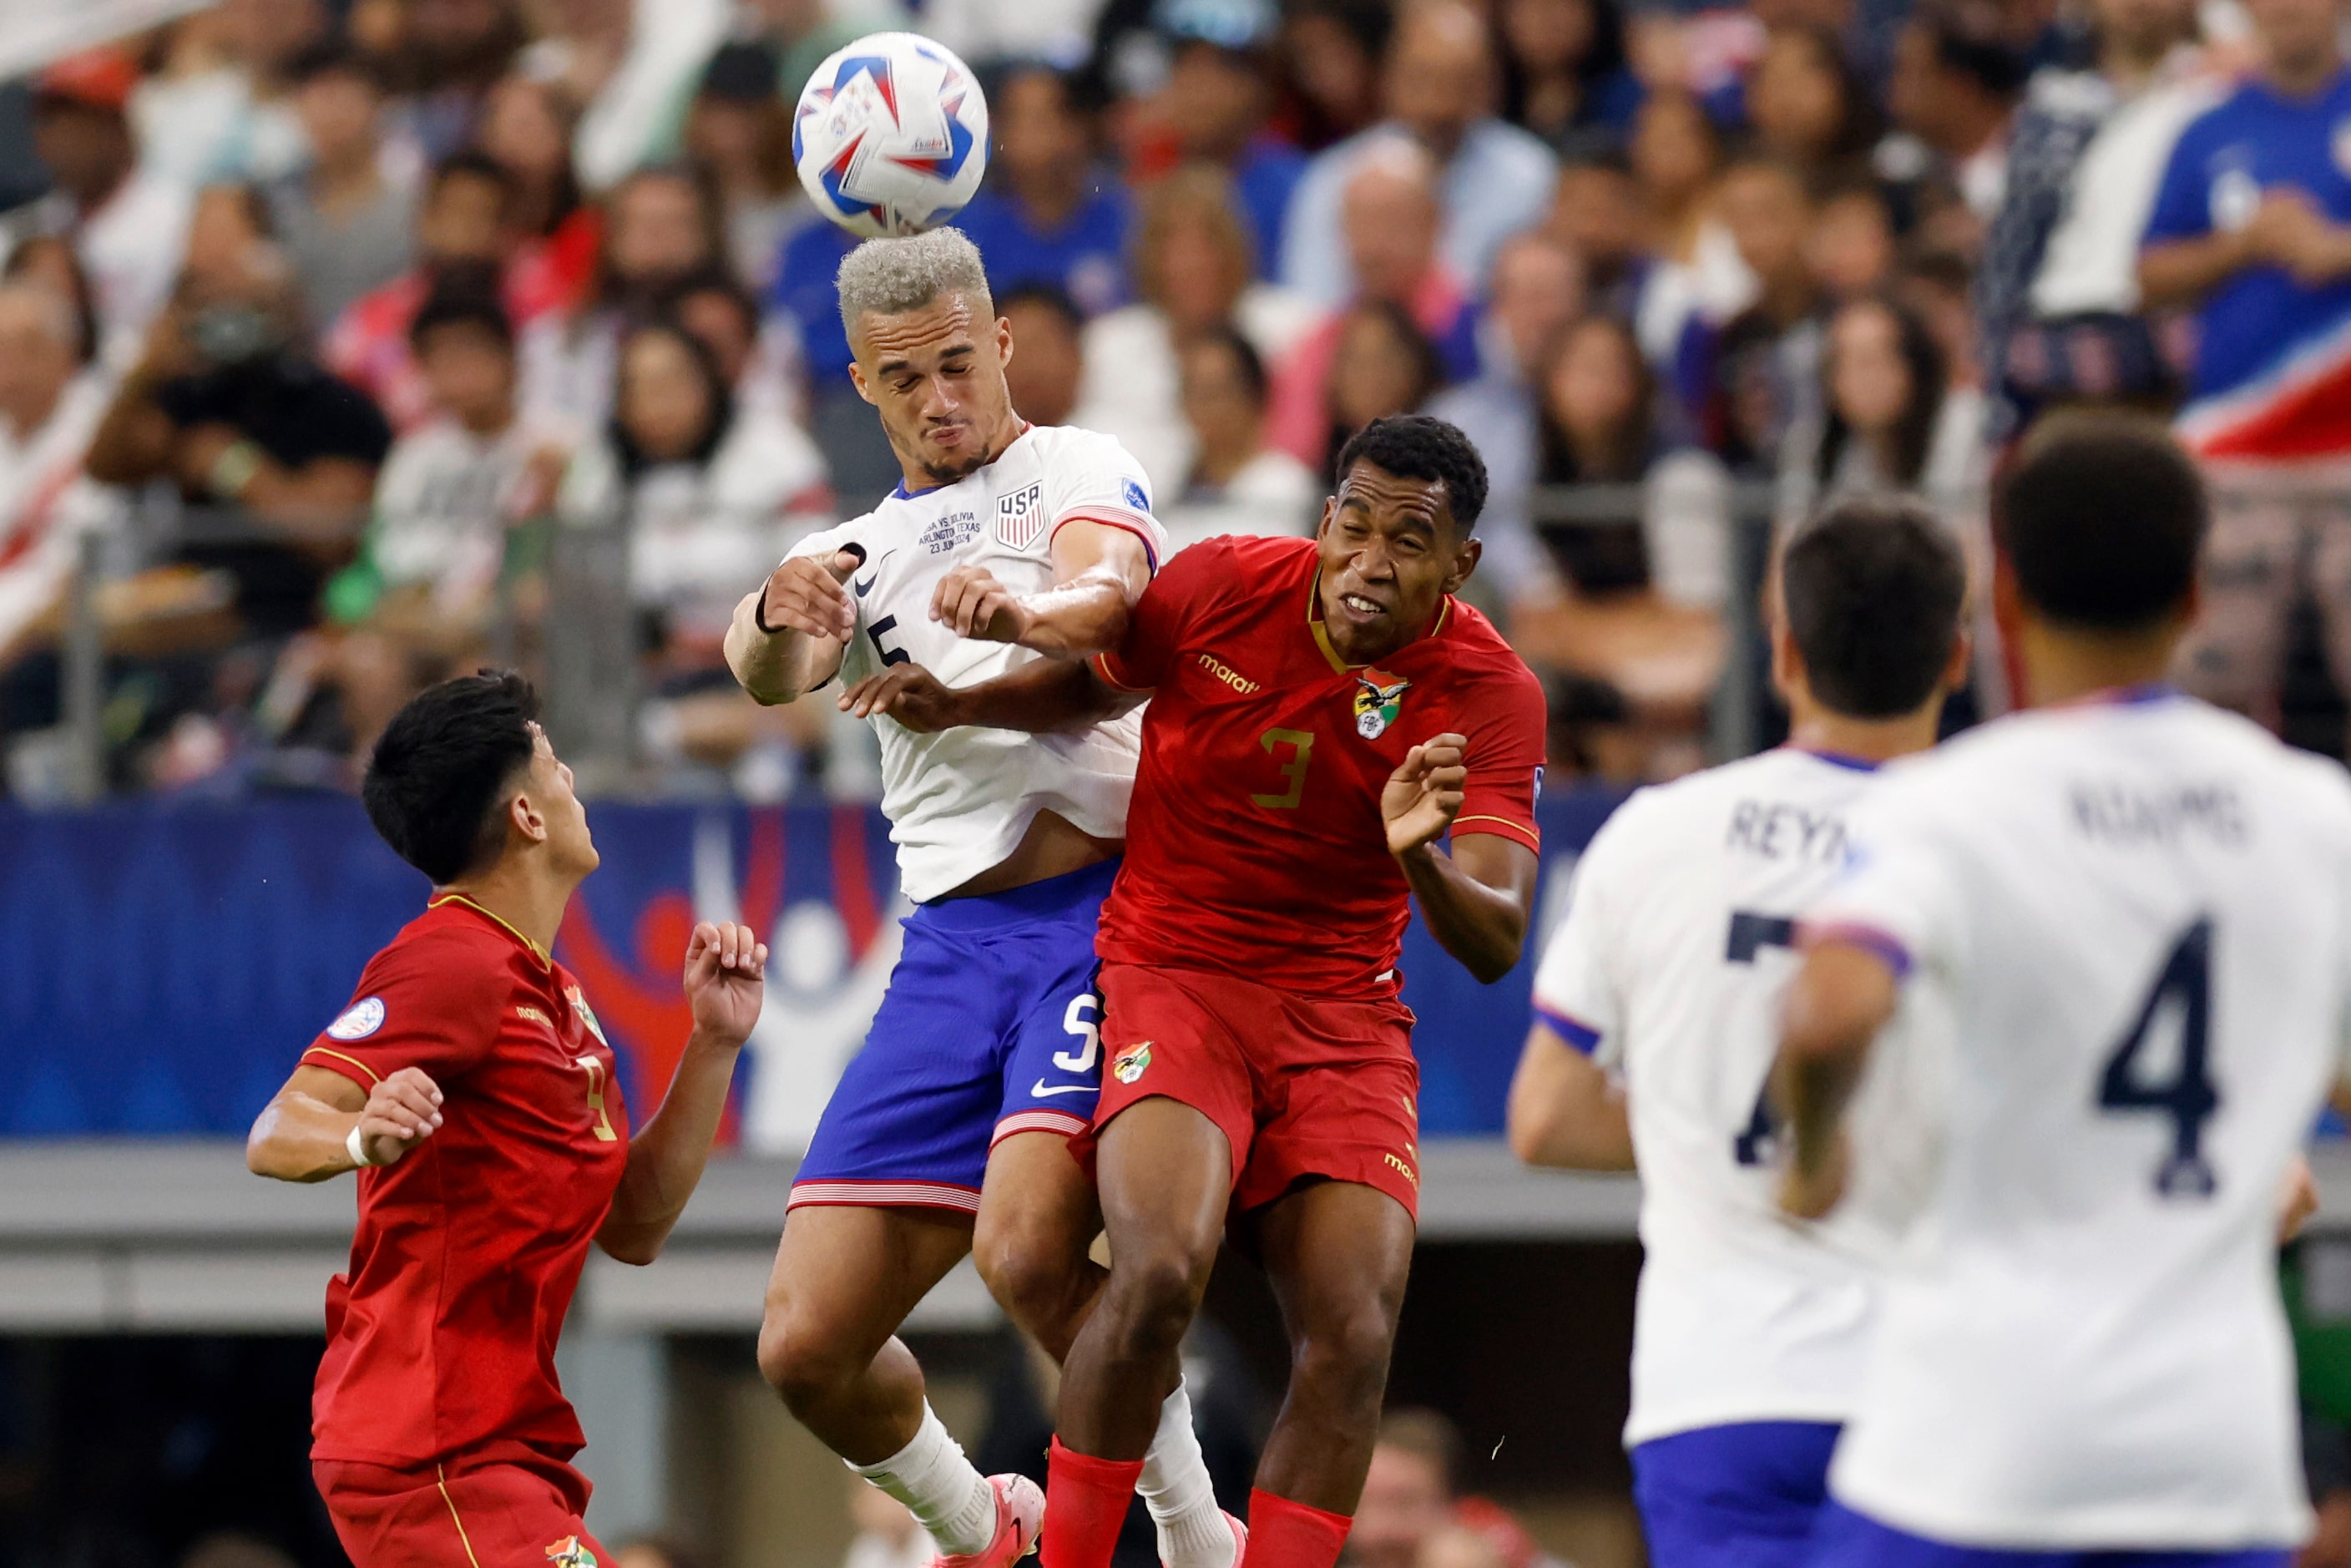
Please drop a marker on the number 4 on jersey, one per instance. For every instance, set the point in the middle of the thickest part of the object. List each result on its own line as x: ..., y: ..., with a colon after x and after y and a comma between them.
x: 2189, y: 1097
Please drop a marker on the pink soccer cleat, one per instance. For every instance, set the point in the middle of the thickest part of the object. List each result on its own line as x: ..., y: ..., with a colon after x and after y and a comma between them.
x: 1020, y: 1515
x: 1240, y: 1541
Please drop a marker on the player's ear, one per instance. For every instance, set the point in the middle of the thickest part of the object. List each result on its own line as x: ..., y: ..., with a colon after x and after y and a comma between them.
x: 1004, y: 340
x: 1961, y: 663
x: 1330, y: 510
x: 525, y: 816
x: 1465, y: 561
x: 857, y: 379
x: 1787, y: 663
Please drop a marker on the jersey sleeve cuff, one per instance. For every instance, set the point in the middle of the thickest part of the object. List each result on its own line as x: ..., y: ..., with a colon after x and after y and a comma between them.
x: 1101, y: 661
x: 1132, y: 522
x: 1500, y: 827
x: 1875, y: 940
x: 1569, y: 1028
x: 351, y: 1067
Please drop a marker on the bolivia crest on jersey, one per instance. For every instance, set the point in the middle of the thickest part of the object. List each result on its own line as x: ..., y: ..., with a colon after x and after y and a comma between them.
x: 1132, y: 1062
x: 1020, y: 517
x: 587, y: 1016
x: 1377, y: 699
x: 569, y: 1553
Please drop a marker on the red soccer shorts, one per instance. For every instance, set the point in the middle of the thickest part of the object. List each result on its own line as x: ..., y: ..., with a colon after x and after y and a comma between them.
x: 519, y: 1510
x: 1303, y: 1087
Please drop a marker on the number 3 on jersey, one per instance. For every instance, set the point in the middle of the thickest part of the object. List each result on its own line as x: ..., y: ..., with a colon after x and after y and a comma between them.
x: 2189, y: 1097
x: 1301, y: 752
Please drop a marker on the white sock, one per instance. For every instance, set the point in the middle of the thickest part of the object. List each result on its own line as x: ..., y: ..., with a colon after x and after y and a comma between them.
x: 1177, y: 1489
x: 930, y: 1476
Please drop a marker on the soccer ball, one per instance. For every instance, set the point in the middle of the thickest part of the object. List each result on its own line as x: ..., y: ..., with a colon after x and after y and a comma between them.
x: 890, y: 135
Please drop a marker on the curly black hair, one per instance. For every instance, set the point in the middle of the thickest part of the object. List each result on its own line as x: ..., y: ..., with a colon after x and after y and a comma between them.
x: 1415, y: 446
x: 2102, y: 520
x: 438, y: 779
x: 1872, y: 589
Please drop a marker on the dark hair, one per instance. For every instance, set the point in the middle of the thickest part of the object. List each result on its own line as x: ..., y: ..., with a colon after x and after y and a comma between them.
x: 1226, y: 336
x: 1632, y: 446
x: 1967, y: 39
x: 718, y: 279
x: 437, y: 780
x: 1415, y: 446
x: 1045, y: 295
x: 1874, y: 587
x: 1859, y: 125
x: 710, y: 209
x: 332, y: 56
x: 633, y: 458
x: 463, y: 297
x: 84, y: 303
x: 2102, y: 520
x: 470, y: 163
x: 1603, y: 58
x: 1427, y: 370
x: 1913, y: 432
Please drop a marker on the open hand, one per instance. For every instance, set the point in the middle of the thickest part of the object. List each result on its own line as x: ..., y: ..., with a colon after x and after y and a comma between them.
x: 1812, y: 1194
x: 726, y: 968
x: 1425, y: 793
x: 909, y: 693
x: 401, y: 1112
x: 805, y: 595
x: 972, y: 604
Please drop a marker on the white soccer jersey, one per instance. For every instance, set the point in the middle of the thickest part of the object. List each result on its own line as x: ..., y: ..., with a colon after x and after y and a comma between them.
x: 1668, y: 967
x: 2136, y: 915
x: 959, y: 801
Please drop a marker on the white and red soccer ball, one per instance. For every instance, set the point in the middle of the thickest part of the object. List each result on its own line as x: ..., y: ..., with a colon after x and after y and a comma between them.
x: 890, y: 135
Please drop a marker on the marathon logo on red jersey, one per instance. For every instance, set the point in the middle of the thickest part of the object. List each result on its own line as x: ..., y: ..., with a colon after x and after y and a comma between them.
x: 1020, y: 517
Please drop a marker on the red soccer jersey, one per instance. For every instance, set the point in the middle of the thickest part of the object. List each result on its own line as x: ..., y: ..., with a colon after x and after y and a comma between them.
x: 441, y: 1339
x: 1255, y: 844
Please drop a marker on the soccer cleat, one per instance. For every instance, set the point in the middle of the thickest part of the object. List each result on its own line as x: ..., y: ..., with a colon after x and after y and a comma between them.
x: 1020, y: 1515
x: 1240, y: 1541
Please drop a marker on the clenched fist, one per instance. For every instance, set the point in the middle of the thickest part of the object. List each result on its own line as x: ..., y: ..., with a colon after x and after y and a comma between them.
x: 401, y: 1112
x: 805, y: 595
x: 972, y: 604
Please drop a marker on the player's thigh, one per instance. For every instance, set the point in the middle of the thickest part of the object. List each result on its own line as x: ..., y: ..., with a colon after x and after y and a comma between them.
x: 847, y: 1275
x: 1038, y: 1216
x: 2234, y: 653
x: 1338, y: 1254
x: 1742, y: 1496
x: 1163, y: 1171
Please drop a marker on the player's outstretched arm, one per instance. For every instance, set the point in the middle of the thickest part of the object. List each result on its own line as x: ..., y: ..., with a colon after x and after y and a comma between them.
x: 1099, y: 571
x: 1564, y: 1112
x: 725, y: 965
x: 316, y: 1124
x: 787, y: 634
x: 1479, y: 899
x: 1040, y: 697
x: 1839, y: 1000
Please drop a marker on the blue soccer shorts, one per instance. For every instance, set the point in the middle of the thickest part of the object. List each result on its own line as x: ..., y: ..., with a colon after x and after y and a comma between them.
x: 1850, y: 1539
x: 990, y: 1027
x: 1742, y: 1495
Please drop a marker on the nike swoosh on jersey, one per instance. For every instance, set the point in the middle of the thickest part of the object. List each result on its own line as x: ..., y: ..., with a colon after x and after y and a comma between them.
x: 869, y: 582
x: 1040, y: 1091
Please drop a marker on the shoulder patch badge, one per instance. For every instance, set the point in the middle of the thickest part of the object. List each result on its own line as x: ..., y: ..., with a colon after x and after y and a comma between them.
x: 361, y: 1019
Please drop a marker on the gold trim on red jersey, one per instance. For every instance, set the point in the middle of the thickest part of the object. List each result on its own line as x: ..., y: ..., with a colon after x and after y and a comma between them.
x: 1322, y: 636
x: 440, y: 1474
x: 338, y: 1056
x: 537, y: 951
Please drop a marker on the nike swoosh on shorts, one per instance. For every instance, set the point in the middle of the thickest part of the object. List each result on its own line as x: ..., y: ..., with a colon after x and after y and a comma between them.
x: 1040, y: 1091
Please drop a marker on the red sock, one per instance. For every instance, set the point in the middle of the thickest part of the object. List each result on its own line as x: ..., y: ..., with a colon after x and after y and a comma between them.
x: 1286, y: 1534
x: 1086, y: 1502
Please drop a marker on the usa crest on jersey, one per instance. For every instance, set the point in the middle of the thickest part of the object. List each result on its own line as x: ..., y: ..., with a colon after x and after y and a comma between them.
x: 1020, y: 517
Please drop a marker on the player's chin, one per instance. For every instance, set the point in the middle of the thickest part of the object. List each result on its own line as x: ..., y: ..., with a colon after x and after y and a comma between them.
x: 945, y: 466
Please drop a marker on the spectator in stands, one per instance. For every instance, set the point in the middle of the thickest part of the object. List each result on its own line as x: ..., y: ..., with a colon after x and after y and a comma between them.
x: 716, y: 307
x: 49, y: 261
x: 50, y: 408
x: 1049, y: 213
x: 1538, y: 290
x: 1330, y: 53
x: 444, y: 56
x: 1494, y: 179
x: 1762, y: 368
x: 1809, y: 106
x: 1381, y: 364
x: 527, y: 128
x: 1563, y: 71
x: 228, y: 227
x: 806, y: 309
x: 1891, y: 420
x: 1957, y: 80
x: 1237, y: 484
x: 1595, y: 212
x: 462, y: 225
x: 2058, y: 290
x: 1696, y: 275
x: 629, y: 64
x: 1851, y: 247
x: 453, y: 486
x: 1392, y: 226
x: 225, y: 405
x: 1048, y: 359
x: 1191, y: 272
x: 742, y: 131
x: 221, y: 109
x: 1411, y: 1497
x: 2251, y: 226
x: 662, y: 225
x: 1214, y: 108
x: 129, y: 226
x: 1455, y: 1547
x: 802, y: 32
x: 888, y: 1534
x: 347, y: 224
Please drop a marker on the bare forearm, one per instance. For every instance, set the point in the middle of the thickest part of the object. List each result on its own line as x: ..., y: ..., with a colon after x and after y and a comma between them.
x: 1482, y: 927
x: 133, y: 442
x: 667, y: 1156
x: 1078, y: 619
x: 2184, y: 271
x: 774, y: 667
x: 1564, y: 1112
x: 1835, y: 1008
x: 1040, y: 697
x: 299, y: 1138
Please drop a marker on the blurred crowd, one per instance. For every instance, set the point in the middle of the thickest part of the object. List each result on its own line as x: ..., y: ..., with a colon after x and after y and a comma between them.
x: 339, y: 320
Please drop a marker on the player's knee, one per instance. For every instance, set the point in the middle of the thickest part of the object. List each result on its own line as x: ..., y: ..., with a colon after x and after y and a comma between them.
x: 1153, y: 1296
x: 1345, y: 1354
x: 798, y: 1364
x: 1036, y: 1279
